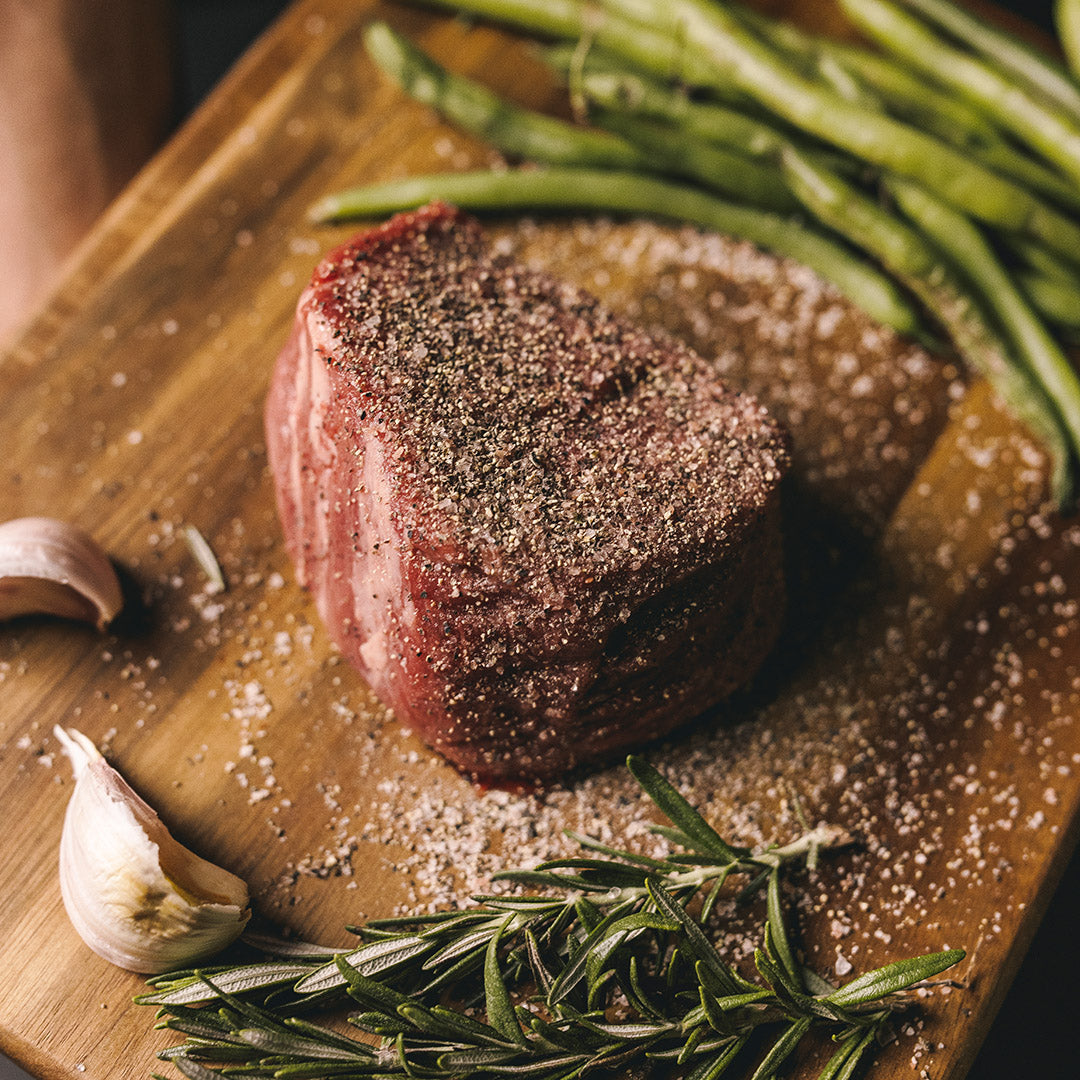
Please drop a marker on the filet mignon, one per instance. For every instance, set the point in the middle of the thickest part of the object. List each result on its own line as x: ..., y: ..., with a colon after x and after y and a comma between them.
x: 539, y: 532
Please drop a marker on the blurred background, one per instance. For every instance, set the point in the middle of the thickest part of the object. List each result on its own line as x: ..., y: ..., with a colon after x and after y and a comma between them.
x: 1033, y: 1035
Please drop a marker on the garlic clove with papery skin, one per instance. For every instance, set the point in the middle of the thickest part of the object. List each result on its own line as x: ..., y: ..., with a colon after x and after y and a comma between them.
x: 136, y: 896
x: 50, y: 567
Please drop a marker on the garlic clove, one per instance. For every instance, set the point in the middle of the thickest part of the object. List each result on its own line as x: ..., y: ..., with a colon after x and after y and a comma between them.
x: 135, y: 895
x: 49, y: 567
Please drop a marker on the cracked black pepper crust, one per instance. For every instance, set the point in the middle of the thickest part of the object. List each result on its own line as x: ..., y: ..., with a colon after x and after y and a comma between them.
x: 541, y: 425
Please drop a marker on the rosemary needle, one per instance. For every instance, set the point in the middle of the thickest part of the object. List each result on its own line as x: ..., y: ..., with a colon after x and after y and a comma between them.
x: 611, y: 965
x: 203, y: 554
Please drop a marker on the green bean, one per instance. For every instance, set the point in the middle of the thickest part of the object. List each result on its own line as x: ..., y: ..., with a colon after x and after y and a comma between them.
x: 577, y: 63
x: 902, y: 91
x: 908, y: 93
x: 1049, y: 282
x: 804, y: 56
x: 1041, y: 260
x: 672, y: 149
x: 621, y: 192
x: 911, y: 97
x: 935, y: 281
x: 645, y: 33
x: 605, y: 81
x: 619, y: 91
x: 930, y: 111
x: 1048, y: 130
x: 626, y: 144
x: 551, y: 18
x: 1058, y: 302
x: 880, y: 140
x: 665, y: 55
x: 1006, y: 51
x: 1018, y: 166
x: 966, y: 246
x: 473, y: 107
x: 1067, y: 21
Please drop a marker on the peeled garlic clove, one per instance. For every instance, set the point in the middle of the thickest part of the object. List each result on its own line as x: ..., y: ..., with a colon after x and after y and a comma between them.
x: 48, y: 567
x: 136, y: 896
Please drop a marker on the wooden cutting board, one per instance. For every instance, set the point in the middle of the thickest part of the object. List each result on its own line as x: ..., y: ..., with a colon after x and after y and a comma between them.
x: 927, y: 694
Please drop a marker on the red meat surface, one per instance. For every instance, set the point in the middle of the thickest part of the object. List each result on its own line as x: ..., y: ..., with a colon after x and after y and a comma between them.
x: 539, y: 532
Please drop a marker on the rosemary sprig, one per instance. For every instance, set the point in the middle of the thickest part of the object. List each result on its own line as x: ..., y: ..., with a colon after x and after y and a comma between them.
x: 612, y: 964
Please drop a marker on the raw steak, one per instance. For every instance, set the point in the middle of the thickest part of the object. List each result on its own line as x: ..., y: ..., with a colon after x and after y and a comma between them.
x: 540, y: 533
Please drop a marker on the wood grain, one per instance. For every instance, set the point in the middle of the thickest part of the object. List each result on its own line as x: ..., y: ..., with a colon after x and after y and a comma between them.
x: 926, y: 694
